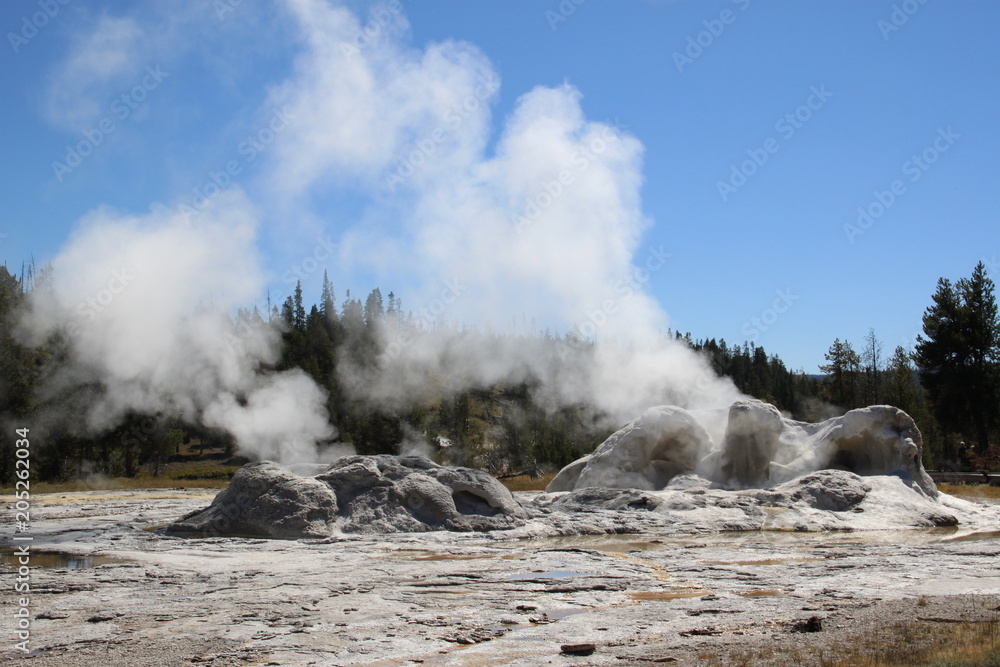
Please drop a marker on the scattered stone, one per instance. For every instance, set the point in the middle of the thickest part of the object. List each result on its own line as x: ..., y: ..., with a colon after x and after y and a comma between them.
x: 811, y: 624
x: 699, y: 632
x: 578, y: 649
x: 52, y: 615
x: 104, y: 616
x: 699, y: 612
x: 467, y: 636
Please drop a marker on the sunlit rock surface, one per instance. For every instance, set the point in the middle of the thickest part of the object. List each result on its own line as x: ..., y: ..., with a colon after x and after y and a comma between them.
x: 877, y: 440
x: 753, y: 434
x: 843, y: 500
x: 265, y: 500
x: 356, y: 494
x: 760, y: 449
x: 646, y: 453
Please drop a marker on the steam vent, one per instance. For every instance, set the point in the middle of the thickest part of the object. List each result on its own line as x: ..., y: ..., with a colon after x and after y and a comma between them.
x: 684, y: 471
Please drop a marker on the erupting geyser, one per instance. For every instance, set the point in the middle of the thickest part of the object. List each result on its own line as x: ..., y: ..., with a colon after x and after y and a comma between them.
x: 661, y: 471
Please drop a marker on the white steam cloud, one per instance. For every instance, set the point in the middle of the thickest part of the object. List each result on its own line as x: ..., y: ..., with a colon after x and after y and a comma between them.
x: 143, y: 301
x: 547, y: 223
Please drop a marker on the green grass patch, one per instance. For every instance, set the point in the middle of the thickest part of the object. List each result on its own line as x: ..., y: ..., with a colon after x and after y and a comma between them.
x: 202, y: 472
x: 120, y: 483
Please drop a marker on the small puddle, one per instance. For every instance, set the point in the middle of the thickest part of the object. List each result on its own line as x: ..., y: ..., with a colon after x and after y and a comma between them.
x: 974, y: 537
x: 551, y: 574
x: 662, y: 596
x: 612, y: 544
x: 58, y: 560
x: 765, y: 561
x: 539, y: 618
x: 434, y: 556
x: 762, y: 593
x: 556, y: 614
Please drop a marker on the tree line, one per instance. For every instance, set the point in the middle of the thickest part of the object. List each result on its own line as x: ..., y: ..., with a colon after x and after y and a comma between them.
x: 950, y: 383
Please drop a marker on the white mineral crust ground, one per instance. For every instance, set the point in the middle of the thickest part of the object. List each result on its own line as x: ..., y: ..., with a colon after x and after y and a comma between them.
x: 507, y: 597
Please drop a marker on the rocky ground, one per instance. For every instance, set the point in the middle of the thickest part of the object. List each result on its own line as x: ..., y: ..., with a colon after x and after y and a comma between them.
x: 134, y: 596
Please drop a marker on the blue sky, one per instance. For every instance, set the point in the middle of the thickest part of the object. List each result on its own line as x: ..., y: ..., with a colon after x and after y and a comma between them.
x: 778, y: 256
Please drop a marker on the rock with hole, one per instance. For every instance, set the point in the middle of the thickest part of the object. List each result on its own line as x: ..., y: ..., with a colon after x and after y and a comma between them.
x: 357, y: 494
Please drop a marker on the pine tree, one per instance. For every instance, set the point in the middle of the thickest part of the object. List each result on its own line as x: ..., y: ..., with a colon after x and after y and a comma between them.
x: 871, y: 359
x: 288, y: 311
x: 843, y: 368
x: 981, y: 335
x: 18, y: 370
x: 327, y: 305
x: 959, y: 357
x: 374, y: 309
x: 299, y: 322
x: 902, y: 387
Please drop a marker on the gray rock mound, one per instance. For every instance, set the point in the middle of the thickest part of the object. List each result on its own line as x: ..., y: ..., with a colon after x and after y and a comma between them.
x: 265, y: 500
x: 387, y: 494
x: 831, y: 490
x: 605, y: 498
x: 646, y: 453
x: 361, y: 494
x: 820, y: 501
x: 843, y: 500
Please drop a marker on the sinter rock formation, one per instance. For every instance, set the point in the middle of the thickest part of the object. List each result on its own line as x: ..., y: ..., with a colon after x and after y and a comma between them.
x: 265, y: 500
x: 363, y: 494
x: 753, y: 434
x: 818, y: 501
x: 760, y: 449
x: 663, y: 470
x: 646, y: 453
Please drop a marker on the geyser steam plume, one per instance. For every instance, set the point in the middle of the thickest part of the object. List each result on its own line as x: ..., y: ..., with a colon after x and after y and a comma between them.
x: 137, y: 298
x: 545, y: 222
x: 538, y: 217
